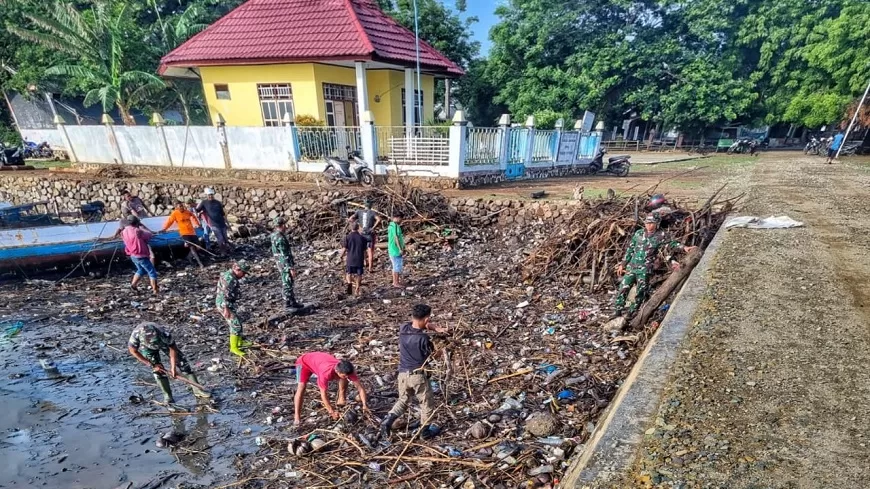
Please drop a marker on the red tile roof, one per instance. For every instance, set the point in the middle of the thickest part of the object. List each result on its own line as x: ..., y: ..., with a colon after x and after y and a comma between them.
x: 274, y: 31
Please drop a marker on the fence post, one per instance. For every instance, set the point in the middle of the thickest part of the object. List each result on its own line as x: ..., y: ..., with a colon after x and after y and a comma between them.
x: 293, y: 134
x: 578, y: 155
x: 367, y: 138
x: 504, y: 122
x: 554, y: 152
x: 159, y: 122
x: 110, y: 135
x: 458, y: 144
x: 530, y: 140
x: 222, y: 140
x: 61, y: 127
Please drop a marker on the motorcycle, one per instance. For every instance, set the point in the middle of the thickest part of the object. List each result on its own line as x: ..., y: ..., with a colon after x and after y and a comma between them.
x: 10, y: 156
x: 739, y: 146
x: 754, y: 145
x: 618, y: 165
x: 352, y: 170
x: 812, y: 146
x: 41, y: 150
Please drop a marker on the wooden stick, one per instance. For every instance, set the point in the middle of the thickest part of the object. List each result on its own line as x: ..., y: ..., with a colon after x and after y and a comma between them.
x: 508, y: 376
x: 452, y: 461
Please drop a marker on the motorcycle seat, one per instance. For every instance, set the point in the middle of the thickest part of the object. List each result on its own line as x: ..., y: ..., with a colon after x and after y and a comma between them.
x: 617, y: 157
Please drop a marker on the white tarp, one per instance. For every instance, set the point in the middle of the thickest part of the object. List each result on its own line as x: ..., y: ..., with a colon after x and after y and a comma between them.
x: 772, y: 222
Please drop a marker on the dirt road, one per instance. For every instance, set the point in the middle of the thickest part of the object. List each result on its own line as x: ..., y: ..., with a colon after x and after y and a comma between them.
x: 773, y: 387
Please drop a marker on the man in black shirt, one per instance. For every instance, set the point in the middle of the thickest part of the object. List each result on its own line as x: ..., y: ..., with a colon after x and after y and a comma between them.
x: 368, y: 221
x: 354, y: 246
x: 415, y: 347
x: 214, y: 213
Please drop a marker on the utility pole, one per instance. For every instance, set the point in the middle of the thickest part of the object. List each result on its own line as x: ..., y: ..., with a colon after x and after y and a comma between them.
x: 852, y: 123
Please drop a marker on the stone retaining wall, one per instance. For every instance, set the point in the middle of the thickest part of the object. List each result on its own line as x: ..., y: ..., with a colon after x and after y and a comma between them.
x: 242, y: 201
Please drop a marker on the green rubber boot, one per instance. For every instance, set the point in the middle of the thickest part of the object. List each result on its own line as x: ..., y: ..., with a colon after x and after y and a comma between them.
x: 163, y: 383
x: 234, y: 345
x: 197, y: 392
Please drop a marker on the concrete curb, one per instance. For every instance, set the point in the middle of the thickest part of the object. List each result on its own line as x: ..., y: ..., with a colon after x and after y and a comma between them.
x: 611, y: 451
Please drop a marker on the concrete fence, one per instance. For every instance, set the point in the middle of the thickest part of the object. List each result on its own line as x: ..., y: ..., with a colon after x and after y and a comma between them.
x: 472, y: 155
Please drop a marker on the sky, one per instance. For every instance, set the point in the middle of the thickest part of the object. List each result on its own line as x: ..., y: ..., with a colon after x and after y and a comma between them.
x: 484, y: 10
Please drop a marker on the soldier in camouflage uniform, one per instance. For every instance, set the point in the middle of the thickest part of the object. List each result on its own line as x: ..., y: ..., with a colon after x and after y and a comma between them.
x: 225, y: 300
x: 286, y: 265
x: 639, y: 260
x: 145, y: 344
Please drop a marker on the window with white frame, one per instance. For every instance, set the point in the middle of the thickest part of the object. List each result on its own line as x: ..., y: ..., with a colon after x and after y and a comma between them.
x: 276, y: 100
x: 418, y: 96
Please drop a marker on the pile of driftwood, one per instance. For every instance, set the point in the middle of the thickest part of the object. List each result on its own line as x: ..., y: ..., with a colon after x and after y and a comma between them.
x: 422, y: 213
x: 593, y: 241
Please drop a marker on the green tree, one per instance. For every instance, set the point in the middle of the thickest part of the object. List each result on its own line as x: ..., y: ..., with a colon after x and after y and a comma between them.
x: 101, y: 42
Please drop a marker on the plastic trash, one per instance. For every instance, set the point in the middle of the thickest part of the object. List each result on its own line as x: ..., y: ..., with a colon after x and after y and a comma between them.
x: 566, y: 395
x: 376, y: 467
x: 547, y: 368
x: 553, y: 441
x: 664, y: 307
x: 14, y: 329
x: 543, y: 469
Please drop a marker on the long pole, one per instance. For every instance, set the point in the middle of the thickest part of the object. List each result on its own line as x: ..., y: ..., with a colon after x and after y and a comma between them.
x: 419, y: 83
x: 852, y: 123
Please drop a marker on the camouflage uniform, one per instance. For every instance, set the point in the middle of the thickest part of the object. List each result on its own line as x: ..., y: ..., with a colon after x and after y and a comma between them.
x: 284, y: 259
x: 149, y: 339
x: 638, y: 262
x: 226, y: 296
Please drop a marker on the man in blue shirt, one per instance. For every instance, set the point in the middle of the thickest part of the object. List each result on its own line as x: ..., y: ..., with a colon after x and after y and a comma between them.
x: 835, y: 146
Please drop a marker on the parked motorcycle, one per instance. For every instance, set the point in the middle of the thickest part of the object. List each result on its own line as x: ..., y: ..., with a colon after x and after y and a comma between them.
x: 618, y: 165
x: 33, y: 150
x: 739, y: 146
x: 352, y: 170
x: 10, y: 156
x: 754, y: 146
x: 812, y: 146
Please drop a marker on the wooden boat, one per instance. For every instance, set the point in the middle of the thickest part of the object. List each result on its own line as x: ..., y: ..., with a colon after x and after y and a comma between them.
x: 57, y: 245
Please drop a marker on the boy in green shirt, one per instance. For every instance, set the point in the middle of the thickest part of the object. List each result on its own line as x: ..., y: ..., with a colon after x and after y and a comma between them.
x: 396, y: 245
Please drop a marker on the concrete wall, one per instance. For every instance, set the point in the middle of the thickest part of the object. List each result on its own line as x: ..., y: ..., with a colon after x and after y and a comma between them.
x: 91, y: 144
x: 52, y: 136
x: 139, y: 145
x: 255, y: 148
x: 194, y: 146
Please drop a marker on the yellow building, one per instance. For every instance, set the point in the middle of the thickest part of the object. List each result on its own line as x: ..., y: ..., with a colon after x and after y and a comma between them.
x: 333, y: 60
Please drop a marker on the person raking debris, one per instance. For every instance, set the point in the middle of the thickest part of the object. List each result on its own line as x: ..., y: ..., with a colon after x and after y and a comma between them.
x: 132, y: 205
x: 136, y: 246
x: 354, y: 247
x: 225, y: 300
x: 326, y: 368
x: 187, y: 224
x: 146, y: 343
x: 285, y: 263
x: 368, y: 221
x: 639, y: 261
x: 415, y: 347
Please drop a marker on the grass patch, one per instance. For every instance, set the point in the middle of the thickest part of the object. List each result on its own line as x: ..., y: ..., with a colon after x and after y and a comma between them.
x: 713, y: 163
x: 48, y: 164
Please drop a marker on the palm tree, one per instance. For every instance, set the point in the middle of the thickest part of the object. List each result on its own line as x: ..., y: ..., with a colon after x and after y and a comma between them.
x: 96, y: 42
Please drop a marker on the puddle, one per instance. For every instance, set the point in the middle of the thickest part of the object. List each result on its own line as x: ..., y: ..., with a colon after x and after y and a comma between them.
x: 76, y: 428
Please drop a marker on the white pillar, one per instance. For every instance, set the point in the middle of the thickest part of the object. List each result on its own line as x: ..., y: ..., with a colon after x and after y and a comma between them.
x: 504, y: 122
x: 458, y: 145
x: 367, y: 137
x: 113, y: 140
x: 362, y: 91
x: 292, y: 133
x: 222, y: 141
x: 158, y: 122
x: 530, y: 140
x: 560, y: 125
x: 409, y: 102
x: 61, y: 128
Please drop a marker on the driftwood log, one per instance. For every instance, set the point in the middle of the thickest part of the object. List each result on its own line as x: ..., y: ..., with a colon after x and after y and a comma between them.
x: 665, y: 289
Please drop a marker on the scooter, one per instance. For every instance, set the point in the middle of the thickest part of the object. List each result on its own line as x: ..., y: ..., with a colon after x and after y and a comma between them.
x: 618, y: 165
x: 352, y: 170
x: 739, y: 146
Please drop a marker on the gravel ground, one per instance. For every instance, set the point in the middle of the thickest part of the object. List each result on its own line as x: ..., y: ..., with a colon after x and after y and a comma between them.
x: 772, y: 389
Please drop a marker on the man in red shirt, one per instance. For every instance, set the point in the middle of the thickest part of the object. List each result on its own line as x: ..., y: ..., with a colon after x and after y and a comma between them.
x: 325, y: 367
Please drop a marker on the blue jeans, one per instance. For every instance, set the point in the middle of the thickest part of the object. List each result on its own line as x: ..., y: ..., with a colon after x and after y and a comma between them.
x: 144, y: 267
x: 398, y: 263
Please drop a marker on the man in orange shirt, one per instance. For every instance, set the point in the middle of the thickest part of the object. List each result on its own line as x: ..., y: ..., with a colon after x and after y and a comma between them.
x: 187, y: 223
